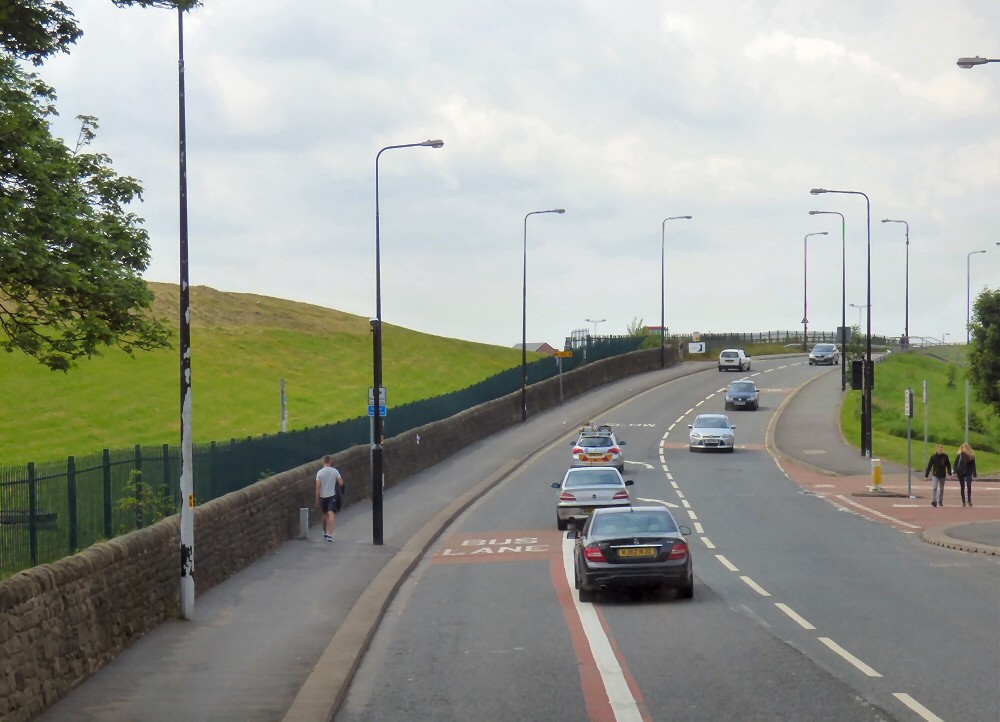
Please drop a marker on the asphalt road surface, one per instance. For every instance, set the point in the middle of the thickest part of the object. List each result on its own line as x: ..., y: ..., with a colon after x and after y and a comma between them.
x: 802, y: 611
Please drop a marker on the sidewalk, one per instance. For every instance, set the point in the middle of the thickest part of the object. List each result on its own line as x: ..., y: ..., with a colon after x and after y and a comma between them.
x: 815, y: 456
x: 257, y: 636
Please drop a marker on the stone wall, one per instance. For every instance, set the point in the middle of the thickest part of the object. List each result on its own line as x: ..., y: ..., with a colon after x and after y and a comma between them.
x: 61, y: 622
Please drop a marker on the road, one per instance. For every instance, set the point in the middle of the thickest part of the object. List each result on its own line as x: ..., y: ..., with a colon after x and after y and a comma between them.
x: 802, y: 610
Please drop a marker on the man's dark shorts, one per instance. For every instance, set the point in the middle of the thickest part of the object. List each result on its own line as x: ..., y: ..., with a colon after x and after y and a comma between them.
x: 329, y: 504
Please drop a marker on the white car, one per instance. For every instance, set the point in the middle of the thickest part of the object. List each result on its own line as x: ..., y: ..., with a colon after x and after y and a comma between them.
x: 712, y: 431
x: 598, y: 446
x: 734, y: 358
x: 583, y: 490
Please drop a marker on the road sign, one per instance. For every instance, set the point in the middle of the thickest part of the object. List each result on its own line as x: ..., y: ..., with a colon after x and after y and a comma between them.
x: 381, y: 396
x: 925, y: 391
x: 564, y: 354
x: 908, y: 403
x: 696, y: 336
x: 371, y: 410
x: 696, y: 347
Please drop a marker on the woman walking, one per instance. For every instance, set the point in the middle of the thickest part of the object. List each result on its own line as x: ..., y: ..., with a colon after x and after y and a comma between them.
x: 965, y: 470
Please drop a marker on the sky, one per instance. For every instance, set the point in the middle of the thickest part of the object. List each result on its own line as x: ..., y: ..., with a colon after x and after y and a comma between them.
x: 623, y: 113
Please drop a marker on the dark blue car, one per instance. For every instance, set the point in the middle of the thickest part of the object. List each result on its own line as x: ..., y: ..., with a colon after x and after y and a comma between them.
x: 742, y: 395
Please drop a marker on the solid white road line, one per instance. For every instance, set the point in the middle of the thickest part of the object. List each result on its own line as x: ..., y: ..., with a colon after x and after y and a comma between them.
x: 726, y: 563
x: 708, y: 542
x: 699, y: 528
x: 916, y: 707
x: 794, y: 615
x: 756, y: 587
x: 876, y: 512
x: 619, y: 695
x: 849, y: 657
x: 692, y: 515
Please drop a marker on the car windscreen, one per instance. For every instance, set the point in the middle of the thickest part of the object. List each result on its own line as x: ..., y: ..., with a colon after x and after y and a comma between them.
x: 593, y: 477
x: 742, y: 388
x: 730, y: 354
x: 824, y: 347
x: 636, y: 522
x: 594, y: 442
x: 711, y: 422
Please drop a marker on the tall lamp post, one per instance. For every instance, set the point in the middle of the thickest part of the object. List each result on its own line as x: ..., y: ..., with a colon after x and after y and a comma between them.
x: 663, y: 276
x: 376, y: 324
x: 524, y: 313
x: 968, y: 331
x: 805, y: 288
x: 866, y: 409
x: 967, y: 63
x: 595, y: 321
x: 187, y: 447
x: 906, y: 325
x: 843, y: 294
x: 859, y: 307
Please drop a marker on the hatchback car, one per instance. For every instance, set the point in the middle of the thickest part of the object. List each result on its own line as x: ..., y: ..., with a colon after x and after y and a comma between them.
x: 712, y: 431
x: 584, y: 490
x: 824, y: 353
x: 598, y: 446
x: 742, y: 395
x: 734, y: 358
x: 636, y: 547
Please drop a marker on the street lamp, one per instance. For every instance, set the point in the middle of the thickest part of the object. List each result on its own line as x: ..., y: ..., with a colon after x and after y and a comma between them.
x: 805, y: 287
x: 859, y: 307
x: 376, y: 324
x: 594, y: 321
x: 524, y: 314
x: 968, y: 331
x: 843, y: 295
x: 967, y: 63
x: 663, y: 275
x: 906, y: 326
x: 866, y: 396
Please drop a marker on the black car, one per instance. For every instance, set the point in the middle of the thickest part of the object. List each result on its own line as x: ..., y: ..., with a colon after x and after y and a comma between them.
x: 742, y: 395
x: 632, y: 547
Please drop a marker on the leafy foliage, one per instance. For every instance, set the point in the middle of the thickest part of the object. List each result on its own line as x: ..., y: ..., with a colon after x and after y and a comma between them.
x: 636, y: 328
x: 35, y: 29
x: 149, y: 505
x: 71, y: 254
x: 983, y: 356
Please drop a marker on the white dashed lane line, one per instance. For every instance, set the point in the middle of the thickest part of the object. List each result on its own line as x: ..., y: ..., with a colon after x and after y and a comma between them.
x: 699, y: 403
x: 916, y: 707
x: 720, y: 390
x: 680, y: 493
x: 671, y: 427
x: 708, y: 542
x: 680, y: 419
x: 687, y: 412
x: 756, y: 374
x: 726, y: 563
x: 673, y: 483
x: 849, y: 657
x: 692, y: 515
x: 699, y: 528
x: 794, y: 615
x: 686, y: 503
x: 710, y: 396
x: 756, y: 587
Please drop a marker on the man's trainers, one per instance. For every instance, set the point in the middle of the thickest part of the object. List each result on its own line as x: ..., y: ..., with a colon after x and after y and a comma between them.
x: 933, y: 503
x: 329, y: 537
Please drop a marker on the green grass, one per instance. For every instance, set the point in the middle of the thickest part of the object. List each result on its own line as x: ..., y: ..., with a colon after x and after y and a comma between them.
x: 242, y: 345
x: 947, y: 413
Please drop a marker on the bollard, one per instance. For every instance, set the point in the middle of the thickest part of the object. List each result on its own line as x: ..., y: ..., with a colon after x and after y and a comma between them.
x: 876, y: 475
x: 304, y: 523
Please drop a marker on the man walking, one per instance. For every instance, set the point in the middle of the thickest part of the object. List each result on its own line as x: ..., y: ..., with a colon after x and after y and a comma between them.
x: 939, y: 466
x: 329, y: 487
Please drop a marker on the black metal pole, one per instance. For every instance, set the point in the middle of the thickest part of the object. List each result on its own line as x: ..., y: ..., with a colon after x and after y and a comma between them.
x: 524, y: 323
x: 377, y: 513
x: 907, y: 320
x: 869, y: 380
x: 663, y: 275
x: 843, y: 303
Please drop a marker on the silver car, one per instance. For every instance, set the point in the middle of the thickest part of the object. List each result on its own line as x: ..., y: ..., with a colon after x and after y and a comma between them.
x: 734, y: 358
x: 583, y: 490
x: 598, y: 446
x: 824, y: 353
x: 712, y: 431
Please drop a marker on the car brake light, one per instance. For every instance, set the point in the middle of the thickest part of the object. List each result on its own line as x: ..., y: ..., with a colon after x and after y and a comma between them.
x: 593, y: 553
x: 577, y: 450
x: 566, y: 496
x: 621, y: 495
x: 679, y: 551
x: 615, y: 450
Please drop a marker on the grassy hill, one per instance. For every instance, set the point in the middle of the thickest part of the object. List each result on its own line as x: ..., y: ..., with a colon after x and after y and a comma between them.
x: 946, y: 419
x: 242, y: 345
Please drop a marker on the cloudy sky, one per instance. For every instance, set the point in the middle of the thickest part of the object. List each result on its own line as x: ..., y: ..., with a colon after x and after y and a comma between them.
x: 623, y: 113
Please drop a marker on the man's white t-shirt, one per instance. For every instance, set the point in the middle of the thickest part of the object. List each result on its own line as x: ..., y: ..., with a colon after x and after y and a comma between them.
x: 327, y: 478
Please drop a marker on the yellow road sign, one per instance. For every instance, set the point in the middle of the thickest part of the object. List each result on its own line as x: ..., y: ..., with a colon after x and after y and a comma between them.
x: 564, y: 354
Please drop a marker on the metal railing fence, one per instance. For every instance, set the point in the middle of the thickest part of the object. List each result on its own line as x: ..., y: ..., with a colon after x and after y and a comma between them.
x: 52, y: 509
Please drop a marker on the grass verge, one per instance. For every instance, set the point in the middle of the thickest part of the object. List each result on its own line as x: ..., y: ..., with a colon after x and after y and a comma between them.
x: 946, y: 418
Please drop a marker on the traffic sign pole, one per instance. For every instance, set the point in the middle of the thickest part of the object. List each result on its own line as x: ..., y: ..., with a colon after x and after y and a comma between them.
x: 377, y: 440
x: 908, y: 408
x: 926, y: 400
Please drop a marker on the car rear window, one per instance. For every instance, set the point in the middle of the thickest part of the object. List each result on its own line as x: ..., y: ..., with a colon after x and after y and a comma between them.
x: 742, y: 388
x: 730, y: 354
x: 593, y: 477
x: 636, y: 522
x: 594, y: 442
x: 711, y: 422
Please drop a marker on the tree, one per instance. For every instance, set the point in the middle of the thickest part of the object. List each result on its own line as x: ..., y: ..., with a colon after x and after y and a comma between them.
x: 983, y: 355
x: 636, y: 328
x: 71, y: 254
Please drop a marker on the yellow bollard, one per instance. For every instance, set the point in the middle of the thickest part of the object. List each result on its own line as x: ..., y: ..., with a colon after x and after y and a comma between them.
x: 876, y: 475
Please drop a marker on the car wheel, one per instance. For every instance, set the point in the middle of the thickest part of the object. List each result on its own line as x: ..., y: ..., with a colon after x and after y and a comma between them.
x: 731, y: 449
x: 720, y: 369
x: 756, y: 405
x: 687, y: 591
x: 691, y: 449
x: 586, y: 596
x: 727, y: 407
x: 562, y: 524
